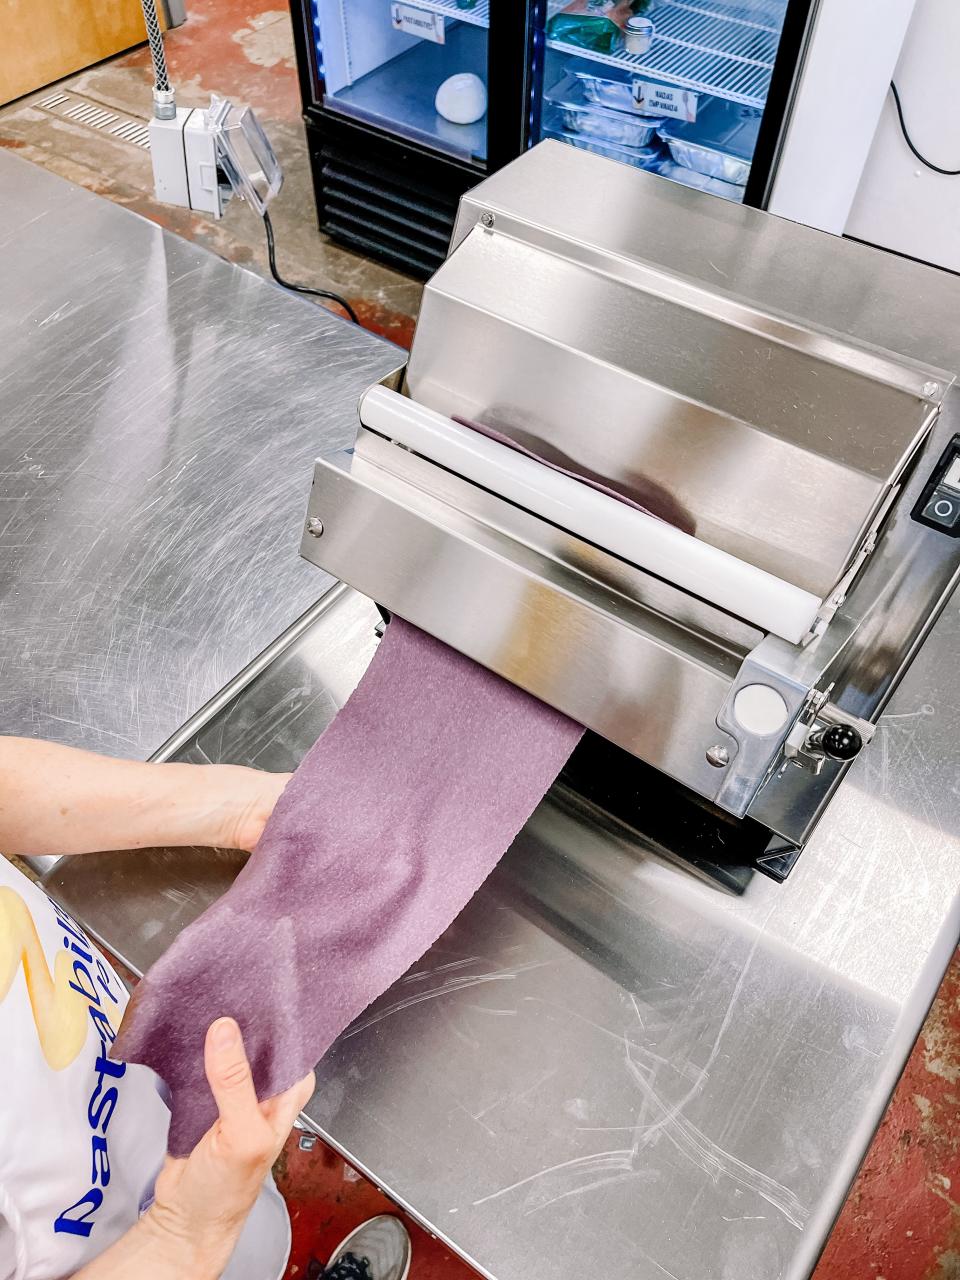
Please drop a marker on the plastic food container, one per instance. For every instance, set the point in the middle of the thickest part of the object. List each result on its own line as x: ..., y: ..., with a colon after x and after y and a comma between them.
x: 719, y: 144
x: 575, y: 114
x: 639, y: 157
x: 607, y: 90
x: 691, y: 178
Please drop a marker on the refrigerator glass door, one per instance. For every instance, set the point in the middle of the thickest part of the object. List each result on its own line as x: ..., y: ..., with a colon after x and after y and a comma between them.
x: 416, y: 70
x: 675, y: 86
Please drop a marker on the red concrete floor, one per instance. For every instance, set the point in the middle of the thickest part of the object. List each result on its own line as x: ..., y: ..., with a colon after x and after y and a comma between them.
x: 901, y: 1220
x: 327, y: 1199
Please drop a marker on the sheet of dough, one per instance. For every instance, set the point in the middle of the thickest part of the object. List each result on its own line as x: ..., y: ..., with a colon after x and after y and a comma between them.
x: 394, y: 819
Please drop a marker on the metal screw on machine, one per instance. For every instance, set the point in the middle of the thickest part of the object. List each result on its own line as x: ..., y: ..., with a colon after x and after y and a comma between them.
x: 315, y: 527
x: 487, y: 219
x: 718, y: 756
x: 930, y: 388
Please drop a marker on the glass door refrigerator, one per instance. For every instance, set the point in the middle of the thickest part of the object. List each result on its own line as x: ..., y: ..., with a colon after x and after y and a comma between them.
x: 408, y: 105
x: 697, y: 91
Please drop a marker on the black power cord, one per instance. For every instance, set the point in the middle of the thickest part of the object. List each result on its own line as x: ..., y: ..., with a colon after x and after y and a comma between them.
x: 301, y: 288
x: 947, y: 173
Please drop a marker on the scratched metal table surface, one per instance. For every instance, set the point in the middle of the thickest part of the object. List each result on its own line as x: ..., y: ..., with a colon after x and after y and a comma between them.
x: 606, y: 1067
x: 160, y: 411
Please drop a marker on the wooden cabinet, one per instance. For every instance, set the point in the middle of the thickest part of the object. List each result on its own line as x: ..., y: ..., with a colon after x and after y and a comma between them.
x: 44, y: 40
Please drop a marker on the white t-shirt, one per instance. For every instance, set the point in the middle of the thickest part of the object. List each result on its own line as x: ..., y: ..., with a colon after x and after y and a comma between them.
x: 82, y: 1138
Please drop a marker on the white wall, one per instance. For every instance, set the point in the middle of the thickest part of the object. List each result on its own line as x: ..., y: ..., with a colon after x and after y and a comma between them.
x: 852, y: 53
x: 900, y: 204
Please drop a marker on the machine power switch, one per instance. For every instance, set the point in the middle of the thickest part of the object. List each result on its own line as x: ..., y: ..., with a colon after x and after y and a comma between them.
x: 939, y: 504
x: 943, y: 508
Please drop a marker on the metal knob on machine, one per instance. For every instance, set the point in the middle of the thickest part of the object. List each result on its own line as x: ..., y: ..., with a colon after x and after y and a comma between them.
x: 841, y: 742
x: 829, y: 734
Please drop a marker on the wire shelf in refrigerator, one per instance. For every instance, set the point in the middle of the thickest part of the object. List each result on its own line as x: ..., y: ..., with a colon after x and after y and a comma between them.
x: 479, y: 16
x: 727, y: 49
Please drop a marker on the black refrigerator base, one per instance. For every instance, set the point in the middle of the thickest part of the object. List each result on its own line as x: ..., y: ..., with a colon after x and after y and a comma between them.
x: 382, y: 196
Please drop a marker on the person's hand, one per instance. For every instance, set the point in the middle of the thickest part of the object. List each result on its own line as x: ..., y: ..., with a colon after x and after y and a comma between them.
x: 203, y: 1201
x: 240, y: 801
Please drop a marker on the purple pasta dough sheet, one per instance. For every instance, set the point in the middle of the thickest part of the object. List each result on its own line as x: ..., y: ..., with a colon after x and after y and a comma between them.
x: 394, y: 819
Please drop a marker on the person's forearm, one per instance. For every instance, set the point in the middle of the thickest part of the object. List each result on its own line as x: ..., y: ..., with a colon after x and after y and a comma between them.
x: 55, y: 799
x: 143, y: 1253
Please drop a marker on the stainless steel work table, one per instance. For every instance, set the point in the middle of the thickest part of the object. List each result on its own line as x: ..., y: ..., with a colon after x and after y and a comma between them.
x: 160, y: 411
x: 605, y: 1066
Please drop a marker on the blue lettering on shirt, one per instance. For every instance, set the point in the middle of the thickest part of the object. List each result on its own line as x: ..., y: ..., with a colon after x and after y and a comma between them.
x: 94, y: 982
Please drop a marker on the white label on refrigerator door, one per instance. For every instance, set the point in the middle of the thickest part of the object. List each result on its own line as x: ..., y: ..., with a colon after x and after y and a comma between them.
x: 418, y: 22
x: 665, y: 100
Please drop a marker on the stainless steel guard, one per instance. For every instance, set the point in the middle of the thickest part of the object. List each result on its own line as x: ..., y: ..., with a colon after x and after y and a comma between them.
x: 551, y: 622
x: 780, y: 444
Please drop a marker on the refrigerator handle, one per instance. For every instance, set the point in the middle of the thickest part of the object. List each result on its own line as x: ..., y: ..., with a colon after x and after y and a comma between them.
x: 514, y: 76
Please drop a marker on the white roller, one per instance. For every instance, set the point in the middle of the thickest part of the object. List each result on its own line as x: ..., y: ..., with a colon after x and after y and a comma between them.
x: 695, y: 566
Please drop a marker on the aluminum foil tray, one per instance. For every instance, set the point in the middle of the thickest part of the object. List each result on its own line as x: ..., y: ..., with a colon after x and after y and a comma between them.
x: 719, y: 144
x: 573, y: 112
x: 606, y: 90
x: 701, y: 181
x: 640, y: 157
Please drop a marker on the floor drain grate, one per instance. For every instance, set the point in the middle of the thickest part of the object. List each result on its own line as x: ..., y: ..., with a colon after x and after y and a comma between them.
x: 69, y: 106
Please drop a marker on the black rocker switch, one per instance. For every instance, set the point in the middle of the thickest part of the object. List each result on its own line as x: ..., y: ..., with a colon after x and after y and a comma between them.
x: 939, y: 505
x: 943, y: 509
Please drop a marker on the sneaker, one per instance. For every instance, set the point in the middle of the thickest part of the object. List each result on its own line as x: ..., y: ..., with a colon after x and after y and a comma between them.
x: 349, y: 1267
x: 376, y: 1250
